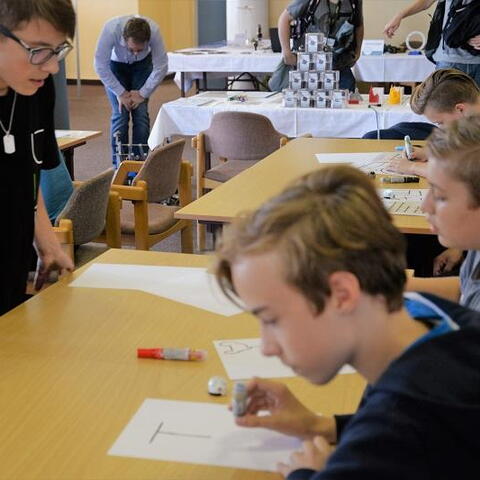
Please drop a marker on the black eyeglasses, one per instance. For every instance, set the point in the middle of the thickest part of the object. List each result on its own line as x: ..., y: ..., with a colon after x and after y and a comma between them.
x: 39, y: 55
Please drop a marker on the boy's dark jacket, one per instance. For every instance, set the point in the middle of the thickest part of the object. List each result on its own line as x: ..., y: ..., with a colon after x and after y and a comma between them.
x: 422, y: 418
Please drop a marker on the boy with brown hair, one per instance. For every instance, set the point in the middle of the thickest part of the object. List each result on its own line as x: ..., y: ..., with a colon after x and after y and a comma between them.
x: 444, y: 96
x: 453, y: 206
x: 322, y: 267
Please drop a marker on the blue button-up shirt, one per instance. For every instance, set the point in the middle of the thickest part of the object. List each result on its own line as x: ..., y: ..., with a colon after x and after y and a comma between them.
x: 112, y: 46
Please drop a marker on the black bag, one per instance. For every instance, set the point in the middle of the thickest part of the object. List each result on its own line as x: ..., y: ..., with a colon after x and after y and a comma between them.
x: 435, y: 31
x: 463, y: 23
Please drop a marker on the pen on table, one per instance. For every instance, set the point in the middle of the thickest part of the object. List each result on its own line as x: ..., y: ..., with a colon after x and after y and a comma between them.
x: 400, y: 179
x: 172, y: 353
x: 408, y: 148
x: 271, y: 94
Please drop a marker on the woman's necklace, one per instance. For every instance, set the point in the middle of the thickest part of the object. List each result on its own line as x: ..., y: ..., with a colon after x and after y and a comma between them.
x: 8, y: 138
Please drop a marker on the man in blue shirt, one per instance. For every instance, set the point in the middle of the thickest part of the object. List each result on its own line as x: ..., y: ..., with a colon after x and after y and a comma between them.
x: 131, y: 62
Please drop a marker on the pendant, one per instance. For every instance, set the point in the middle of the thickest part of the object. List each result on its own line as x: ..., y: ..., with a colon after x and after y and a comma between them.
x: 9, y: 143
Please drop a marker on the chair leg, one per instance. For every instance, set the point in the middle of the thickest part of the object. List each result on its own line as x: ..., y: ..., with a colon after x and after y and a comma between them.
x: 187, y: 238
x: 201, y: 237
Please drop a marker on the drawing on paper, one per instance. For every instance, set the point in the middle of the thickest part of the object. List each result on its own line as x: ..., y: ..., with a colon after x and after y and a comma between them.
x: 234, y: 347
x: 159, y: 431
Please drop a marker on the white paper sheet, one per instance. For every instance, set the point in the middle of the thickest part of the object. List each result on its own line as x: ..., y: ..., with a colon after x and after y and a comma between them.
x: 366, y: 161
x: 193, y: 286
x: 399, y: 207
x: 403, y: 194
x: 200, y: 433
x: 72, y: 133
x: 242, y: 359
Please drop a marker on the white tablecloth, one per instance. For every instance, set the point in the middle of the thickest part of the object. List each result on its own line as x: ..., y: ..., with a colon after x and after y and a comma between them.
x: 230, y: 60
x: 398, y: 67
x: 186, y: 117
x: 224, y: 59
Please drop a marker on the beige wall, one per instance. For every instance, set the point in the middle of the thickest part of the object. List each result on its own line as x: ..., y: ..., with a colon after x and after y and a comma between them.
x: 178, y: 18
x: 376, y: 14
x: 92, y: 15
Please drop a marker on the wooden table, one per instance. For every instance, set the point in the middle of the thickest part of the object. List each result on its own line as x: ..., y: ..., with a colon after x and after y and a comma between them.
x: 68, y: 140
x: 268, y: 177
x: 70, y: 380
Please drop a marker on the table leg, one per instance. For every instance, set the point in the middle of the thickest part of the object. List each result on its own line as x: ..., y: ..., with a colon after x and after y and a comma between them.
x: 182, y: 84
x: 68, y: 156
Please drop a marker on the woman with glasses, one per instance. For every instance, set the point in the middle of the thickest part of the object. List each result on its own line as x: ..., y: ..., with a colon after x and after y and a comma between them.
x: 33, y: 39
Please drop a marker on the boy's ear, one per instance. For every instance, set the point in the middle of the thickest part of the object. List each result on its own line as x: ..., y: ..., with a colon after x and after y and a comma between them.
x: 345, y: 291
x: 460, y: 108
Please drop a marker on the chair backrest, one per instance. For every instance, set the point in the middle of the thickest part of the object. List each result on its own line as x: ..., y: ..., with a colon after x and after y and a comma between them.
x: 241, y: 136
x: 87, y: 208
x: 161, y: 171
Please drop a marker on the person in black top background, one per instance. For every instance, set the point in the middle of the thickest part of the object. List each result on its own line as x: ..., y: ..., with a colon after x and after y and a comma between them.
x: 33, y: 38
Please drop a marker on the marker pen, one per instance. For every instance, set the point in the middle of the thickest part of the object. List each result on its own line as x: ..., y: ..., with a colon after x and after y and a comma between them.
x: 172, y: 353
x: 408, y: 148
x: 239, y: 399
x: 400, y: 179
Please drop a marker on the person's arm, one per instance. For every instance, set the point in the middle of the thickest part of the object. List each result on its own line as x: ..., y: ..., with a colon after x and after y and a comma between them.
x: 103, y: 53
x: 475, y: 42
x: 386, y: 441
x: 412, y: 9
x: 359, y: 33
x: 159, y: 61
x: 446, y: 287
x: 287, y: 414
x: 446, y: 261
x: 359, y: 29
x: 289, y: 58
x: 416, y: 166
x: 50, y: 254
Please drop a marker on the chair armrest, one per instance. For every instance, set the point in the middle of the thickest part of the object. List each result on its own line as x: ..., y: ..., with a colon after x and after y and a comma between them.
x: 128, y: 192
x: 64, y: 234
x: 123, y: 169
x: 185, y: 183
x: 112, y: 225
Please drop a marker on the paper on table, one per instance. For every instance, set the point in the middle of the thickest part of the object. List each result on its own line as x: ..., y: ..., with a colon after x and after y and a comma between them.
x: 398, y: 207
x: 193, y: 286
x: 366, y: 161
x: 242, y: 359
x: 404, y: 194
x: 200, y: 433
x: 71, y: 133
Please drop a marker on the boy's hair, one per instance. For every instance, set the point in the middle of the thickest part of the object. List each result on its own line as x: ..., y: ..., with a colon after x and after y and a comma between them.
x: 328, y: 221
x: 138, y: 29
x: 444, y: 89
x: 59, y: 13
x: 457, y: 148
